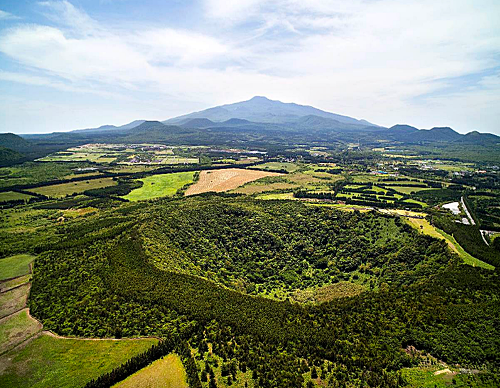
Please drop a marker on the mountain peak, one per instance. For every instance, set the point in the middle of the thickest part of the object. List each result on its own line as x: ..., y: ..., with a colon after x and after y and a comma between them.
x: 261, y: 109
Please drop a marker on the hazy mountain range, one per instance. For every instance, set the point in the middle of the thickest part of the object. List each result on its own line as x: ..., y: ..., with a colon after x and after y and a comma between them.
x: 256, y: 122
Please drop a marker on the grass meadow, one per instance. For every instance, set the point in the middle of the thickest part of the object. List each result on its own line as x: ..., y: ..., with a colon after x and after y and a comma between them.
x: 163, y: 185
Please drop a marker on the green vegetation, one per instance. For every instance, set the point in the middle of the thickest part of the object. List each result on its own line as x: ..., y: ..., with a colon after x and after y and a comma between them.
x: 167, y: 372
x: 55, y: 362
x: 310, y: 278
x: 157, y: 186
x: 16, y: 329
x: 66, y: 189
x: 13, y: 196
x: 14, y: 266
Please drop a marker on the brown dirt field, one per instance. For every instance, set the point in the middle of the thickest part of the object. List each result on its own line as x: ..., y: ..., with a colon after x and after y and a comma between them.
x: 224, y: 180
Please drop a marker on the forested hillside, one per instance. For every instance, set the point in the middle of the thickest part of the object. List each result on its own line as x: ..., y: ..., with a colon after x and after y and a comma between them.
x: 104, y: 277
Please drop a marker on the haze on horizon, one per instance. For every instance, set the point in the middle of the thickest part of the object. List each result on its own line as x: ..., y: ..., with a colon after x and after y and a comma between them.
x: 80, y: 64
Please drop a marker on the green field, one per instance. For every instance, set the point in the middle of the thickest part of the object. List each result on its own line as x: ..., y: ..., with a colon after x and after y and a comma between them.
x: 13, y: 300
x: 16, y: 328
x: 13, y: 196
x: 163, y: 185
x: 167, y: 372
x: 14, y: 266
x: 289, y: 167
x: 48, y: 362
x: 63, y: 189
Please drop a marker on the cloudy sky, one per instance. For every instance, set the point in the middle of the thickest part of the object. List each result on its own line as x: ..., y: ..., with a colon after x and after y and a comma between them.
x: 77, y: 64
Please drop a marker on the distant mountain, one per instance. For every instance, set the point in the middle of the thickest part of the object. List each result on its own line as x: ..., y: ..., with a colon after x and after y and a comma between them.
x: 412, y: 135
x: 102, y: 128
x: 262, y: 110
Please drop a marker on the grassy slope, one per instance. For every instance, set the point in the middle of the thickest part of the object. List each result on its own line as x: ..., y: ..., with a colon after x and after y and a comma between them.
x: 167, y: 372
x: 425, y: 227
x: 63, y: 189
x: 14, y: 266
x: 53, y: 362
x: 160, y: 186
x: 16, y: 328
x: 12, y: 196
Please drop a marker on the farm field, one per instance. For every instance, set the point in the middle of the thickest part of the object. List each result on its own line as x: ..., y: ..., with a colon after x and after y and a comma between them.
x: 286, y: 166
x: 13, y: 300
x: 64, y: 189
x: 164, y: 185
x: 167, y: 372
x: 14, y: 266
x: 225, y: 180
x: 13, y: 196
x: 17, y: 328
x: 71, y: 362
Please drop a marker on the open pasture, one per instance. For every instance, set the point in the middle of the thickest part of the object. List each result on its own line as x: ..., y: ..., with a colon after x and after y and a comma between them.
x: 224, y: 180
x: 163, y: 185
x: 13, y: 300
x: 14, y: 266
x: 167, y: 372
x: 17, y: 328
x: 71, y: 362
x: 63, y: 189
x: 13, y: 196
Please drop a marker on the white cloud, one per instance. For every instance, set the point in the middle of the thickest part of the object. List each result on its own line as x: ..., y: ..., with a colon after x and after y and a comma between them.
x: 368, y: 59
x: 7, y: 16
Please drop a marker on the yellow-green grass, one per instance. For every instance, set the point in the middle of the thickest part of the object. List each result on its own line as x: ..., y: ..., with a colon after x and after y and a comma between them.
x: 167, y: 372
x: 276, y: 196
x: 425, y: 227
x: 98, y: 157
x: 9, y: 284
x: 179, y: 160
x: 63, y: 189
x: 467, y: 258
x: 163, y: 185
x: 14, y: 266
x: 13, y: 196
x: 13, y: 300
x: 423, y: 204
x: 425, y: 377
x: 47, y: 362
x: 260, y: 187
x: 337, y: 290
x: 408, y: 190
x: 289, y: 167
x: 17, y: 328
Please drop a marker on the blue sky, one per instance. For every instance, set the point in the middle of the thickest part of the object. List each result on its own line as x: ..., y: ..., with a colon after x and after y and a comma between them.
x: 77, y: 64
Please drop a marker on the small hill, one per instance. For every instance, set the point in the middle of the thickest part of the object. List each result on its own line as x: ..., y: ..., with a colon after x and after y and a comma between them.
x: 197, y: 123
x: 9, y: 157
x: 15, y: 142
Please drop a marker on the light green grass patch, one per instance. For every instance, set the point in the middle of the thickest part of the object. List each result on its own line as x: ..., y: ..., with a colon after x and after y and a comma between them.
x: 14, y: 266
x: 163, y: 185
x: 48, y: 362
x: 70, y: 188
x: 17, y: 328
x: 12, y: 283
x: 276, y: 196
x: 13, y: 196
x: 289, y: 167
x: 167, y: 372
x: 467, y: 258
